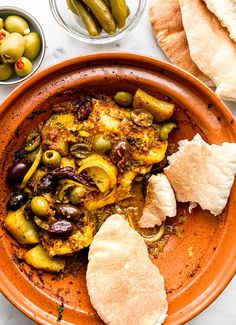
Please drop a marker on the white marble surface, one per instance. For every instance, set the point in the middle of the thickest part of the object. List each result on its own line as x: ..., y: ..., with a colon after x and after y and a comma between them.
x: 61, y: 46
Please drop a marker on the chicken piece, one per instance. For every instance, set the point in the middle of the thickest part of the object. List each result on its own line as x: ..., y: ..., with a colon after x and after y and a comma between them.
x: 160, y: 202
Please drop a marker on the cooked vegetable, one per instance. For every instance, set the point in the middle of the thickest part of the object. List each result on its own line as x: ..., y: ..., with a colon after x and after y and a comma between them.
x: 63, y: 194
x: 119, y: 193
x: 103, y: 15
x: 119, y: 12
x: 52, y: 159
x: 40, y: 207
x: 166, y: 129
x: 157, y: 236
x: 90, y: 24
x: 17, y: 172
x: 67, y: 162
x: 142, y: 117
x: 32, y: 169
x: 21, y: 228
x: 101, y: 171
x: 16, y: 24
x: 38, y: 258
x: 123, y: 98
x: 101, y: 144
x: 160, y: 110
x: 32, y: 142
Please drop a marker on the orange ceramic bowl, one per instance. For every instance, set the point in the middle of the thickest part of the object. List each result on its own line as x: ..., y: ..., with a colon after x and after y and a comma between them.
x: 192, y: 283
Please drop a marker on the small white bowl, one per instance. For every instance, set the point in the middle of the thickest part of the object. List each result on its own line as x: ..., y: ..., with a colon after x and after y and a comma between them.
x: 34, y: 27
x: 74, y: 26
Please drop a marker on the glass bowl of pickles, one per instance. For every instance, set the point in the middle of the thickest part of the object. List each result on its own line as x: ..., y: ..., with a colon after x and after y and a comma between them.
x: 97, y: 21
x: 22, y: 45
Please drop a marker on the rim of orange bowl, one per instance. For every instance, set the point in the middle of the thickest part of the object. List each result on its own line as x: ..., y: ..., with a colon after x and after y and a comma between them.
x: 228, y: 270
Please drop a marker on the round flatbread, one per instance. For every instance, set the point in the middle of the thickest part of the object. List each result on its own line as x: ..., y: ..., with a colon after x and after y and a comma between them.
x: 168, y: 29
x: 124, y: 286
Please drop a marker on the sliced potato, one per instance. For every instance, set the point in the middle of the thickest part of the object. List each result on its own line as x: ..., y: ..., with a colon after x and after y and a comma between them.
x: 21, y: 228
x: 160, y: 110
x: 38, y: 258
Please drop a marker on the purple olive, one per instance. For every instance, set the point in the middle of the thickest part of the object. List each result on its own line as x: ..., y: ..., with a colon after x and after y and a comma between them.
x: 61, y: 228
x: 17, y: 199
x: 17, y: 172
x: 68, y: 211
x: 120, y: 154
x: 84, y: 106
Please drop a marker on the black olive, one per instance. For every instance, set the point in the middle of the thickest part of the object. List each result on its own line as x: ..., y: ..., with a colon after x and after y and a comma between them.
x: 17, y: 172
x: 61, y: 228
x: 18, y: 198
x: 84, y: 106
x: 69, y: 211
x: 120, y: 154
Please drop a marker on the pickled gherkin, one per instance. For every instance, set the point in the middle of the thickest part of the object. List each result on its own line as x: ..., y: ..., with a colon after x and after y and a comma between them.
x: 103, y: 15
x: 90, y: 23
x: 119, y: 12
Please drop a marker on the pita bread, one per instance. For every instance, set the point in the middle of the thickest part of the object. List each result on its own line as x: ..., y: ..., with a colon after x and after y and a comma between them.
x: 211, y: 48
x: 225, y: 11
x: 160, y: 202
x: 202, y: 173
x: 124, y: 286
x: 168, y: 29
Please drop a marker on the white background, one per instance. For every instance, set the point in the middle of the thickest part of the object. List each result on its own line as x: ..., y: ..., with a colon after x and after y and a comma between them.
x: 60, y: 46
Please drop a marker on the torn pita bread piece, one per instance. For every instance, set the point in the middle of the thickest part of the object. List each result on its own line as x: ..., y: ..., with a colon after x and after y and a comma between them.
x: 202, y: 173
x: 160, y: 202
x: 124, y: 286
x: 210, y: 46
x: 168, y: 29
x: 225, y: 11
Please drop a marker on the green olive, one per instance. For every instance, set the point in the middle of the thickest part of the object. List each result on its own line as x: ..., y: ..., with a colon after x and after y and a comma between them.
x: 77, y: 194
x: 40, y: 206
x: 123, y: 98
x: 101, y: 144
x: 3, y: 35
x: 6, y: 71
x: 32, y: 45
x: 23, y: 67
x: 81, y: 150
x: 17, y: 24
x: 12, y: 48
x: 1, y: 23
x: 166, y: 129
x: 52, y: 159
